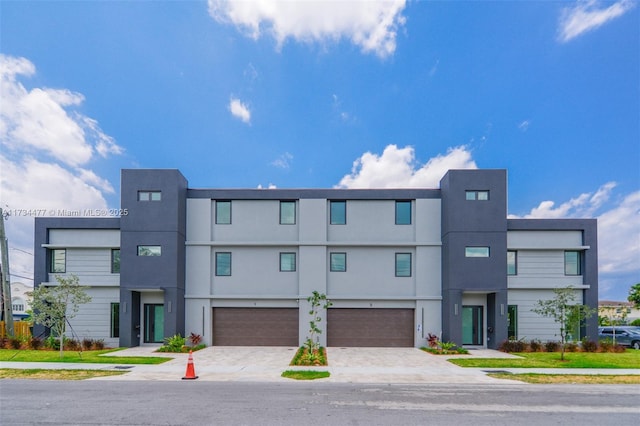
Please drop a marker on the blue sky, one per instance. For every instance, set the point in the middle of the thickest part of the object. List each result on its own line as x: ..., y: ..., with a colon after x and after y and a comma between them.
x: 317, y: 94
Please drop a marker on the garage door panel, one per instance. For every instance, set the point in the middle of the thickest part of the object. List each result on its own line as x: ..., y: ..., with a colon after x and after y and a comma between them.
x: 255, y: 327
x: 370, y: 327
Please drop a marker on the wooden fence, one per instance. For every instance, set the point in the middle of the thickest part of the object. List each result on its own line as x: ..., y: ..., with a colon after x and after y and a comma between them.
x: 20, y: 328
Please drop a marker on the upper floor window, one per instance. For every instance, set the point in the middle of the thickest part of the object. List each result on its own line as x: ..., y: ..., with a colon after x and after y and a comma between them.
x: 287, y: 212
x: 223, y: 212
x: 149, y: 250
x: 477, y: 195
x: 512, y: 262
x: 403, y: 264
x: 338, y: 262
x: 403, y: 212
x: 115, y: 261
x: 223, y: 264
x: 572, y: 263
x: 149, y: 196
x: 338, y: 212
x: 287, y: 262
x: 17, y: 304
x: 58, y: 263
x: 476, y: 251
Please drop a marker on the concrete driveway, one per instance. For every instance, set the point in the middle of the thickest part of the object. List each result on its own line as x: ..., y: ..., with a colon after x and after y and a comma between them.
x: 348, y: 365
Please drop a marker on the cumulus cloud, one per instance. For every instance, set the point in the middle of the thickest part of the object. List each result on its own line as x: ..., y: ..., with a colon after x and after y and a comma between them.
x: 587, y: 16
x: 240, y: 110
x: 47, y: 148
x: 398, y: 168
x: 372, y: 24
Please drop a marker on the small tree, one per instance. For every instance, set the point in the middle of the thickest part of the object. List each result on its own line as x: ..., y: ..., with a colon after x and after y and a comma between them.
x: 317, y: 301
x: 54, y: 306
x: 564, y: 312
x: 634, y: 295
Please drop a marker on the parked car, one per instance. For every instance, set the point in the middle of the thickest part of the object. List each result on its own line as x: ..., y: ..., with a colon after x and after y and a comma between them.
x: 624, y: 335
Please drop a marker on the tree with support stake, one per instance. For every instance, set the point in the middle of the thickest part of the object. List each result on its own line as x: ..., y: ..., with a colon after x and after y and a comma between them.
x: 54, y: 306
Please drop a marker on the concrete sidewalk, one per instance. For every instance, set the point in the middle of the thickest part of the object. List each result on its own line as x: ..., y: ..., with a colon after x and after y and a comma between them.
x: 347, y: 365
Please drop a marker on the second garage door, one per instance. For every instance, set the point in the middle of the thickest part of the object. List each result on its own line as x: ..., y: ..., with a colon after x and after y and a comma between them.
x: 370, y: 327
x: 255, y: 326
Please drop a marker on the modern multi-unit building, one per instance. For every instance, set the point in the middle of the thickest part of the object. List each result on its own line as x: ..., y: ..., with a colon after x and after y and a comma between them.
x: 237, y: 265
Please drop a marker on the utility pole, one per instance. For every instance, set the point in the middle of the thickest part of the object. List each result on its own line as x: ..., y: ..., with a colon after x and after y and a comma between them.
x: 7, y: 307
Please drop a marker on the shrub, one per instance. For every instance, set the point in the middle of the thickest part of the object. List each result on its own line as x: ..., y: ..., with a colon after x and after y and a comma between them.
x: 15, y: 342
x: 98, y: 344
x: 87, y: 344
x: 606, y: 345
x: 535, y: 345
x: 4, y: 342
x: 589, y: 345
x: 513, y: 346
x: 35, y: 343
x: 635, y: 322
x: 571, y: 347
x: 551, y: 346
x: 432, y: 340
x: 195, y: 339
x: 72, y: 345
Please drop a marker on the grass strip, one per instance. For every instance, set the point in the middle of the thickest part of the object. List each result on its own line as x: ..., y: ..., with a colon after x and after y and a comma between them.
x: 305, y: 374
x: 92, y: 357
x: 42, y: 374
x: 599, y: 379
x: 628, y: 359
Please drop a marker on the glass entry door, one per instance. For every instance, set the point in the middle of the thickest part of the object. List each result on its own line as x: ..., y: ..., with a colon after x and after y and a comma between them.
x: 153, y: 323
x: 472, y: 323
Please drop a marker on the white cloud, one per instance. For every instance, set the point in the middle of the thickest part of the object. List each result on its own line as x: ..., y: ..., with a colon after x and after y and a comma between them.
x: 587, y: 15
x: 584, y: 205
x: 524, y: 125
x: 397, y: 168
x: 283, y: 161
x: 240, y: 110
x: 47, y: 147
x: 371, y: 25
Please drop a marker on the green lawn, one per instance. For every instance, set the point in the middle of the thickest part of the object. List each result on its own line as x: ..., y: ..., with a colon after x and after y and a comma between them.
x: 70, y: 356
x: 305, y: 374
x: 628, y: 359
x: 39, y: 374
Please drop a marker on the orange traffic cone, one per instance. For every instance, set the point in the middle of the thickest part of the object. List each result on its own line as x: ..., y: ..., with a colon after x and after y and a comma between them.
x: 191, y: 371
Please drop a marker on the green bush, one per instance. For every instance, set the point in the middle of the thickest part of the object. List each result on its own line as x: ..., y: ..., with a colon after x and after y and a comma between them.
x: 635, y: 322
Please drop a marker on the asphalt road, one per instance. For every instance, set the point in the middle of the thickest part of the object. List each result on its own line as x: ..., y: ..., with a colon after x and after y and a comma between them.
x: 35, y: 402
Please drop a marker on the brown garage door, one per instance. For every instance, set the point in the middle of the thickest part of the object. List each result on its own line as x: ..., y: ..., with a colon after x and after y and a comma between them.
x: 370, y: 327
x: 255, y: 326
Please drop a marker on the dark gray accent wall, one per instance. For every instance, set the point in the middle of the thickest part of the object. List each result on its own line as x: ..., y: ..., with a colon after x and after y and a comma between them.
x: 474, y: 223
x: 589, y: 229
x: 161, y: 223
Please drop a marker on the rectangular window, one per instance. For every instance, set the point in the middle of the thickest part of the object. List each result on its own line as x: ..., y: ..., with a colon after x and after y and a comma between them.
x: 58, y: 261
x: 115, y: 261
x: 287, y: 262
x: 476, y: 251
x: 572, y: 263
x: 338, y: 213
x: 223, y: 212
x: 223, y: 264
x: 512, y: 318
x: 115, y: 320
x: 149, y: 251
x: 338, y: 262
x: 18, y: 307
x: 403, y: 264
x: 512, y: 262
x: 403, y: 212
x: 287, y: 212
x: 149, y: 196
x: 477, y: 195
